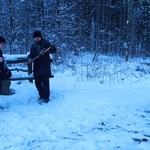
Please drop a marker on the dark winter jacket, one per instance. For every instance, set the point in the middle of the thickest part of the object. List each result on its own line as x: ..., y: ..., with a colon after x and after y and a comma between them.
x: 41, y: 65
x: 5, y: 73
x: 1, y: 63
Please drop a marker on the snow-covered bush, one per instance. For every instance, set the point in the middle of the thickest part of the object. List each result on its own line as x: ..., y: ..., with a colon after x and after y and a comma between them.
x: 107, y: 69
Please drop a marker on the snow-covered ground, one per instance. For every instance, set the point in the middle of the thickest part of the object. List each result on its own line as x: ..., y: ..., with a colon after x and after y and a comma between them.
x: 81, y: 115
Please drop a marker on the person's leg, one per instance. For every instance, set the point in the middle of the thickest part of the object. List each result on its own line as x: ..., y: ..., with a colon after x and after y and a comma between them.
x: 46, y: 87
x: 39, y: 86
x: 5, y: 85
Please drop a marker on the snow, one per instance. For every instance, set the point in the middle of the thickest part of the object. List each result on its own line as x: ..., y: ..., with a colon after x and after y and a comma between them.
x: 15, y: 57
x: 81, y: 115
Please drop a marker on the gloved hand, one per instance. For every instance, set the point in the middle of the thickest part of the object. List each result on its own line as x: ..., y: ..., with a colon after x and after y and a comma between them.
x: 41, y: 53
x: 29, y: 61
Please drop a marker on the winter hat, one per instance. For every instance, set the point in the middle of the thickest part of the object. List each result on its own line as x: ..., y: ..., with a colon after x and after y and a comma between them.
x: 37, y: 34
x: 2, y: 40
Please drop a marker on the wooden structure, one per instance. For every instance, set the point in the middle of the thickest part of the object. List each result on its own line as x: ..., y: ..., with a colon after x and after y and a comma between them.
x: 21, y: 58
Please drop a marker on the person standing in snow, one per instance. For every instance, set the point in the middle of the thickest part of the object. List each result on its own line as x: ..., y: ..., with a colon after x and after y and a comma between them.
x: 41, y: 66
x: 5, y: 73
x: 2, y: 44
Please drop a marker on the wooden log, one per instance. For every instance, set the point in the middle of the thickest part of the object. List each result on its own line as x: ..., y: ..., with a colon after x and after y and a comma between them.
x: 20, y: 60
x: 24, y: 78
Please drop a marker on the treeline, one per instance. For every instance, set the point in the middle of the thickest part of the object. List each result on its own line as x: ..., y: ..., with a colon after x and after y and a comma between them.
x: 111, y: 27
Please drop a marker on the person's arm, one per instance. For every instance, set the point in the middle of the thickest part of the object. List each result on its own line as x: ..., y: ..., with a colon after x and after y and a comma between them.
x: 1, y: 61
x: 52, y: 47
x: 31, y: 52
x: 30, y: 56
x: 1, y: 56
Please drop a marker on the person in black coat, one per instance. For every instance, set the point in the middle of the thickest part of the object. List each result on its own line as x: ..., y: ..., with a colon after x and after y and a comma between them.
x: 2, y: 44
x: 5, y: 73
x: 41, y: 66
